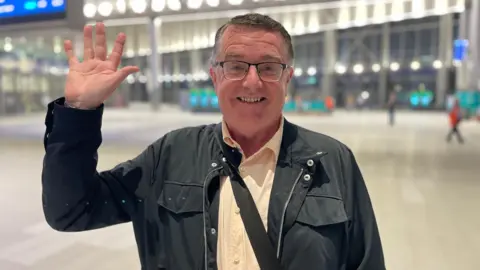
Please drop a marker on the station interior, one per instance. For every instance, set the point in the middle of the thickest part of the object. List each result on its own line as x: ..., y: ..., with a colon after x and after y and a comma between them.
x: 351, y: 56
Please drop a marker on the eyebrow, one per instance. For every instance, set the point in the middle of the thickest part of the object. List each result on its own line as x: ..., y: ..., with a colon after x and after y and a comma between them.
x: 265, y: 57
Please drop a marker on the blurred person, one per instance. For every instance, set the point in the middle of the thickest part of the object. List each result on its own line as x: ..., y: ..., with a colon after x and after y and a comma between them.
x: 455, y: 117
x: 254, y: 191
x: 391, y: 105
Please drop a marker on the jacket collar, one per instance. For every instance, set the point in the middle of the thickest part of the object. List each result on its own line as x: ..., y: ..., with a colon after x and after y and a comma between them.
x: 293, y: 148
x: 273, y: 144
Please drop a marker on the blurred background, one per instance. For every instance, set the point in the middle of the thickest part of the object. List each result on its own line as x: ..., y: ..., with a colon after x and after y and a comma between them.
x: 380, y: 75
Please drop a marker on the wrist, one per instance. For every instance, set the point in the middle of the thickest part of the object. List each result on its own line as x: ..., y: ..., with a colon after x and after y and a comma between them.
x: 74, y: 105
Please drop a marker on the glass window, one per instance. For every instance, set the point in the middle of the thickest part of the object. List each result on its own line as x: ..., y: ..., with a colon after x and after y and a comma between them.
x: 373, y: 43
x: 426, y: 42
x: 395, y: 46
x: 167, y: 63
x: 314, y: 53
x: 301, y: 53
x: 456, y: 30
x: 344, y: 48
x: 206, y: 55
x: 409, y: 43
x: 184, y: 62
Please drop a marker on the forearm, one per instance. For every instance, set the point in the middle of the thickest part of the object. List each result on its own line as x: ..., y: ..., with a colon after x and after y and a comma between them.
x: 75, y: 196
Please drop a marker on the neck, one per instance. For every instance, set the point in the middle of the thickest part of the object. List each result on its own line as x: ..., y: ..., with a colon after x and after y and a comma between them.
x: 252, y: 142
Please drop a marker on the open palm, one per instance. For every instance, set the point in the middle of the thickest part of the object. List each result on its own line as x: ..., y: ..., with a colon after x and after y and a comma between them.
x: 91, y: 82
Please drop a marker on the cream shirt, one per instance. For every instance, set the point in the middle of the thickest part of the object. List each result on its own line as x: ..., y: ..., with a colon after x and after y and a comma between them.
x: 234, y: 251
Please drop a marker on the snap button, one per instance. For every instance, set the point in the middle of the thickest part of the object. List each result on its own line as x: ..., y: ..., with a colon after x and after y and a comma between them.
x: 310, y: 163
x: 224, y: 159
x: 213, y: 231
x: 214, y: 164
x: 307, y: 177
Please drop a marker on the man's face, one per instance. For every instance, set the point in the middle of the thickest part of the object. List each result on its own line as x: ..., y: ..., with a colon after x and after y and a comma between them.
x: 251, y: 103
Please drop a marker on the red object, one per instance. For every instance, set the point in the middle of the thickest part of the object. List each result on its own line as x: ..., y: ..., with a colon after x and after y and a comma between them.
x: 329, y: 103
x: 454, y: 115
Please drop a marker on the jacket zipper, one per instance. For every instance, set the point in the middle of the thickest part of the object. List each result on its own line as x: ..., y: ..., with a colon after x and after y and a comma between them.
x: 280, y: 232
x: 204, y: 210
x: 280, y: 235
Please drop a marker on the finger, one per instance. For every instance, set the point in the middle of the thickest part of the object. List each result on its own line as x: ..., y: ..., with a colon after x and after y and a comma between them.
x: 88, y: 52
x: 117, y: 51
x: 100, y: 42
x: 123, y: 73
x: 68, y: 46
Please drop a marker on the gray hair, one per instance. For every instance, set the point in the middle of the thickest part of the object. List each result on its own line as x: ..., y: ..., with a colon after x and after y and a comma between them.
x: 254, y: 20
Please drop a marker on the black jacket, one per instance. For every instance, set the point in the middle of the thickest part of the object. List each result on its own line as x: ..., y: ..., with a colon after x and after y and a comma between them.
x: 170, y: 194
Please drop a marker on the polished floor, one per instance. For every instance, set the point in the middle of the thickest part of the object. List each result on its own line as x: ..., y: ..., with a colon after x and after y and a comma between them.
x: 426, y: 193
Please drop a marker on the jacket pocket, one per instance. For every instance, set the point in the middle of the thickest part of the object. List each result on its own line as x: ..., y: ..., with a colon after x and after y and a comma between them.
x: 318, y: 235
x: 320, y: 210
x: 181, y: 230
x: 179, y: 198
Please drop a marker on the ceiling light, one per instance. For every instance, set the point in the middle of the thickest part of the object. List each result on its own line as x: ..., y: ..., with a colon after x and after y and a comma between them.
x: 105, y: 9
x: 138, y: 6
x: 158, y: 5
x: 89, y: 10
x: 194, y: 4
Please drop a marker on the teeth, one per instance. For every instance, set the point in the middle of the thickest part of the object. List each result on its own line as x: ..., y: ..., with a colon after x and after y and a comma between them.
x: 250, y: 100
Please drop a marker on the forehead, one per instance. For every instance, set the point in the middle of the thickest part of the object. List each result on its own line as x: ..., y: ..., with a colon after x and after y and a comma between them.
x: 252, y: 44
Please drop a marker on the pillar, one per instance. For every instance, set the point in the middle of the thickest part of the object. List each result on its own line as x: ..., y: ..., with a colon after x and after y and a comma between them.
x: 461, y: 70
x: 3, y: 104
x: 330, y: 59
x: 196, y: 64
x: 473, y: 64
x: 385, y: 63
x: 135, y: 45
x: 176, y: 63
x: 154, y: 64
x: 445, y: 56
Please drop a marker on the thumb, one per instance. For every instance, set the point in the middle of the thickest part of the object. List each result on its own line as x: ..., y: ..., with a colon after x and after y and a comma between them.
x: 123, y: 73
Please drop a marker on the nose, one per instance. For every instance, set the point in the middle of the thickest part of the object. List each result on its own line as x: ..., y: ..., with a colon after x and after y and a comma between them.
x: 252, y: 80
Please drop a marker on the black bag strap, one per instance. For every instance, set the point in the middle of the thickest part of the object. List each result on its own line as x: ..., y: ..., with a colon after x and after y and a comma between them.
x: 261, y: 244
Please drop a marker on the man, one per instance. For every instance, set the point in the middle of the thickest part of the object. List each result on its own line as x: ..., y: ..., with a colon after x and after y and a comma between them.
x: 391, y: 104
x: 181, y: 192
x: 455, y: 117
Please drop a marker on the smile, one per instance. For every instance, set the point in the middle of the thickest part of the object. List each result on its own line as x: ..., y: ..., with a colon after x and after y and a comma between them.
x: 251, y: 99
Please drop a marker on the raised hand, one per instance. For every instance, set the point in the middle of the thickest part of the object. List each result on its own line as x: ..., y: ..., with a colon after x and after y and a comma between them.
x: 91, y: 82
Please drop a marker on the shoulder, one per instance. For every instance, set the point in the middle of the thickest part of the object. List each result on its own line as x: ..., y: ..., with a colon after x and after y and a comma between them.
x: 323, y: 142
x: 189, y: 137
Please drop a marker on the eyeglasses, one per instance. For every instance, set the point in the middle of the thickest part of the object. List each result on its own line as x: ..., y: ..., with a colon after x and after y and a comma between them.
x: 237, y: 70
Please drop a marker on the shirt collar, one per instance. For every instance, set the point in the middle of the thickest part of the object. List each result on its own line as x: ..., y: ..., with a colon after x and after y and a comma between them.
x: 273, y: 144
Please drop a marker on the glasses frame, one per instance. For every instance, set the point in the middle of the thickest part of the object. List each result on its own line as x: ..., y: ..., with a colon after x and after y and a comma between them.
x: 221, y: 63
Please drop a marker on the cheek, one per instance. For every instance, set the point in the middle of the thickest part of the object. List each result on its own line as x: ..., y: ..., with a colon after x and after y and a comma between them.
x: 278, y: 91
x: 225, y: 89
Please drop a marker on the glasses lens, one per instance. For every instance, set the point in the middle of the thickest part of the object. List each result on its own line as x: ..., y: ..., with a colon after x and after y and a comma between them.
x: 234, y: 70
x: 270, y: 71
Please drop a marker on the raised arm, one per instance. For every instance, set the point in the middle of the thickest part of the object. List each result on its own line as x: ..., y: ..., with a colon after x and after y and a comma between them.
x: 75, y: 196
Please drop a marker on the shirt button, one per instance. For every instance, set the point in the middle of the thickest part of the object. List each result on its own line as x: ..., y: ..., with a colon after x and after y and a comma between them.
x: 237, y: 211
x: 242, y: 169
x: 236, y: 261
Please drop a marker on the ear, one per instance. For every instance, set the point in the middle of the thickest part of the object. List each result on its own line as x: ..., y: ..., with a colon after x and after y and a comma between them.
x: 213, y: 75
x: 290, y: 74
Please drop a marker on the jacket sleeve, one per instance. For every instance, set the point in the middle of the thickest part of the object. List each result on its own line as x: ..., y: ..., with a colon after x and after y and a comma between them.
x: 365, y: 248
x: 75, y: 196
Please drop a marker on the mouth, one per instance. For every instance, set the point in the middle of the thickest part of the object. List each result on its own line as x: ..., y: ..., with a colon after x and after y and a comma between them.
x: 251, y: 100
